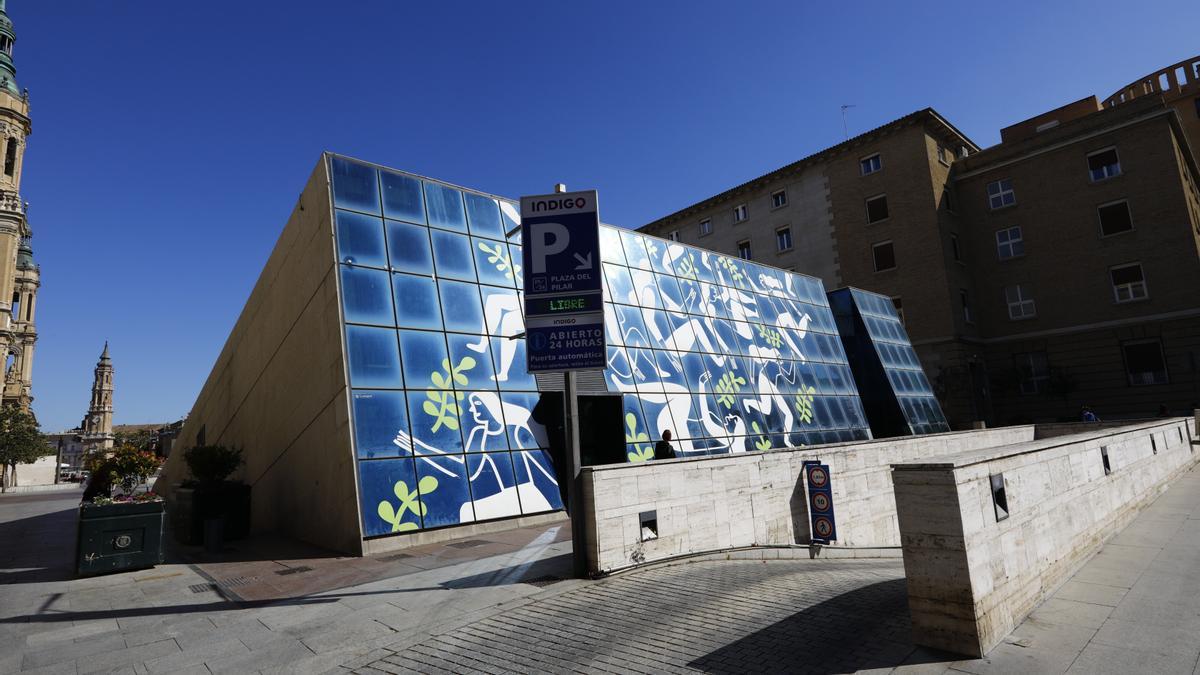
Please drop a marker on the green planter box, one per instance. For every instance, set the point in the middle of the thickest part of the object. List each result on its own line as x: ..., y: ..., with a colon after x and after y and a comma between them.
x: 119, y: 537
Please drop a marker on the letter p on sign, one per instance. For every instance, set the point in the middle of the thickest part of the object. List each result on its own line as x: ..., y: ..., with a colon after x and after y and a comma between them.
x: 548, y: 239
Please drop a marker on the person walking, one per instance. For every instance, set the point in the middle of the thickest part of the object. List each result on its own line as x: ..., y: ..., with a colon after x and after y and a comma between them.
x: 663, y: 449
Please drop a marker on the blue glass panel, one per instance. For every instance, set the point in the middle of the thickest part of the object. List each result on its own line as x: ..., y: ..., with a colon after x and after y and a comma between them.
x: 633, y: 329
x: 502, y: 311
x: 537, y: 481
x: 672, y: 296
x: 374, y: 358
x: 511, y: 373
x: 445, y: 205
x: 483, y: 216
x: 620, y: 286
x: 452, y: 255
x: 658, y: 328
x: 402, y: 198
x: 514, y: 254
x: 360, y: 239
x: 523, y: 430
x: 656, y: 250
x: 635, y: 250
x: 683, y: 333
x: 434, y: 416
x: 379, y: 417
x: 670, y: 369
x: 408, y: 248
x: 449, y: 502
x: 493, y: 485
x: 366, y: 296
x: 462, y: 309
x: 424, y: 355
x: 658, y: 418
x: 483, y: 426
x: 390, y: 499
x: 355, y: 186
x: 417, y: 304
x: 474, y: 360
x: 610, y: 245
x: 510, y: 220
x: 493, y: 262
x: 639, y: 444
x: 645, y: 288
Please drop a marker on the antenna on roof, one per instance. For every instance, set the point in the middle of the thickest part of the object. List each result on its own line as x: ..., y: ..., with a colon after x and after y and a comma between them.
x: 846, y: 133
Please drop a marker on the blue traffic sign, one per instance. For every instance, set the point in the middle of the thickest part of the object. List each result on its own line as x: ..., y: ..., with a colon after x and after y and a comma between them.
x: 564, y: 313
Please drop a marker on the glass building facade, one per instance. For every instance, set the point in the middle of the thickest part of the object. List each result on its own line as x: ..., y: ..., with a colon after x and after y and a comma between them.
x: 895, y: 391
x: 729, y: 355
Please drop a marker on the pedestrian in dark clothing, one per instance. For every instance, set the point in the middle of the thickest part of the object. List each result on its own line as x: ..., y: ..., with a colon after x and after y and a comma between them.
x: 663, y: 449
x: 1088, y: 415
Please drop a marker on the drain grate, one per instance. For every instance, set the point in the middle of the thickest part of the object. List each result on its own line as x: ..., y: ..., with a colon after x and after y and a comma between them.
x: 234, y: 582
x: 294, y: 570
x: 543, y: 580
x: 394, y: 557
x: 202, y: 588
x: 470, y: 543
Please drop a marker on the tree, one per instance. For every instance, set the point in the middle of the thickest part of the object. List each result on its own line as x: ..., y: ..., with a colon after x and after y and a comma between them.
x: 20, y: 442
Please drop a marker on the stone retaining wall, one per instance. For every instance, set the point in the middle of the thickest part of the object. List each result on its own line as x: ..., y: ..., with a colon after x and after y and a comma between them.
x: 722, y: 502
x: 972, y: 577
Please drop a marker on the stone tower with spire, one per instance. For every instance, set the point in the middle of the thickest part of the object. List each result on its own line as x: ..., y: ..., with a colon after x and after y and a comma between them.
x: 19, y: 275
x: 98, y: 424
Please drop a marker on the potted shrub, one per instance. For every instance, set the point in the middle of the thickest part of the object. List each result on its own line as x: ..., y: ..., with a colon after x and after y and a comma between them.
x: 209, y: 495
x: 123, y: 531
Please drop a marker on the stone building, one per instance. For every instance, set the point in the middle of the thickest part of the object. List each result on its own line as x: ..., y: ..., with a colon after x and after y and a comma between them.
x: 19, y: 275
x: 96, y: 430
x: 991, y: 256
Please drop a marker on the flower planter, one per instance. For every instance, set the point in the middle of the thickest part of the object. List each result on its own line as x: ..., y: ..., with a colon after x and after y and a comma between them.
x: 119, y: 537
x: 227, y: 501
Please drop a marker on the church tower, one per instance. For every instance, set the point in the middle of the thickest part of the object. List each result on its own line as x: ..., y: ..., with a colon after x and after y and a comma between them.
x: 97, y: 425
x: 19, y: 275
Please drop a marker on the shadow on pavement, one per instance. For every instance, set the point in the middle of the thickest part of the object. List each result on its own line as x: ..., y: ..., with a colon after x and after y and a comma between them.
x: 865, y: 628
x: 547, y: 569
x: 35, y: 550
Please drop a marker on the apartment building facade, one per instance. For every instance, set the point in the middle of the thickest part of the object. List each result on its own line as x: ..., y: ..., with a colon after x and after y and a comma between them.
x: 1016, y: 268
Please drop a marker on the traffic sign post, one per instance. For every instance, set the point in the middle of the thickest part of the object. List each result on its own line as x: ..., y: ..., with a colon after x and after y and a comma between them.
x: 564, y: 315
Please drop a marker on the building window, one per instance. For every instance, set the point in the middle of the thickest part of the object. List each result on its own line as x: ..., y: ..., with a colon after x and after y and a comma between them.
x: 1128, y: 282
x: 1020, y: 302
x: 1115, y: 218
x: 1198, y: 106
x: 1000, y: 194
x: 705, y: 227
x: 1009, y: 243
x: 877, y: 209
x: 744, y: 249
x: 870, y: 164
x: 739, y: 213
x: 899, y: 309
x: 778, y: 199
x: 1104, y: 164
x: 10, y: 157
x: 948, y: 199
x: 966, y: 306
x: 783, y: 239
x: 1033, y: 372
x: 885, y: 256
x: 673, y: 235
x: 1144, y: 362
x: 954, y: 247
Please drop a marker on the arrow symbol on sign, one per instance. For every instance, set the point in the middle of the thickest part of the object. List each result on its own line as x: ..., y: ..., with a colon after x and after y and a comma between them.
x: 585, y: 263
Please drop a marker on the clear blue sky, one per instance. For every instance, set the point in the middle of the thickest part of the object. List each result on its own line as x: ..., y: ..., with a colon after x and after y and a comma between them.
x: 171, y: 139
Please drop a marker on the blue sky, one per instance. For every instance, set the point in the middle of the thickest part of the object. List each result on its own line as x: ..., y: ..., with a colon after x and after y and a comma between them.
x: 171, y: 139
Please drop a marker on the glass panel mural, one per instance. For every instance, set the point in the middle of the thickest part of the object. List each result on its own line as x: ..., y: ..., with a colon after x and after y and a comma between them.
x: 729, y: 356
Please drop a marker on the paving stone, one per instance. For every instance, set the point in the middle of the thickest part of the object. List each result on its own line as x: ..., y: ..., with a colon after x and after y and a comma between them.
x: 1071, y: 612
x: 1096, y: 594
x: 1098, y: 659
x: 196, y: 656
x: 97, y: 663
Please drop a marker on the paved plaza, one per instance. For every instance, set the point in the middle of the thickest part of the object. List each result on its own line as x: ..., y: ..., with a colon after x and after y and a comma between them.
x: 500, y: 604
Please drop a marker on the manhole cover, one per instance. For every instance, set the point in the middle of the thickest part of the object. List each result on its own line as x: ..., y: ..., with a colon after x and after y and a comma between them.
x: 394, y: 557
x: 202, y: 588
x: 543, y: 580
x: 470, y: 543
x: 294, y: 570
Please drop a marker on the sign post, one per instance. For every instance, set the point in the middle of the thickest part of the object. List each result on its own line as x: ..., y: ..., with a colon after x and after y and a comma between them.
x: 564, y: 315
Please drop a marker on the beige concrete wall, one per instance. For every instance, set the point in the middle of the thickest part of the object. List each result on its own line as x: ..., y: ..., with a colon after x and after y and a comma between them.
x: 971, y: 578
x: 716, y: 503
x: 278, y: 389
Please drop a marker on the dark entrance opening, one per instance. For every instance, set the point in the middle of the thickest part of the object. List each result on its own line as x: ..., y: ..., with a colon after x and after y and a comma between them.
x: 601, y: 435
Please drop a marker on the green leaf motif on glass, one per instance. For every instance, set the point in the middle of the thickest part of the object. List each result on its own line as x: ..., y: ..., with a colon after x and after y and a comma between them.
x: 763, y: 443
x: 735, y: 272
x: 771, y: 336
x: 729, y: 385
x: 442, y: 403
x: 499, y: 257
x: 409, y: 501
x: 640, y: 453
x: 687, y: 267
x: 804, y: 403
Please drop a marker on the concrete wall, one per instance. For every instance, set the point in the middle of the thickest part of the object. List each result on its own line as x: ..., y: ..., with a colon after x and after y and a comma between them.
x: 713, y: 503
x: 972, y: 579
x: 278, y: 390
